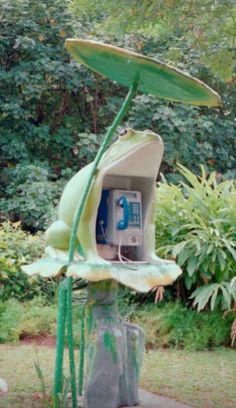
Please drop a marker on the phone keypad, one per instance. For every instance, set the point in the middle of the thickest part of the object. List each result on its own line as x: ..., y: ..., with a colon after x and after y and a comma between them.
x: 134, y: 214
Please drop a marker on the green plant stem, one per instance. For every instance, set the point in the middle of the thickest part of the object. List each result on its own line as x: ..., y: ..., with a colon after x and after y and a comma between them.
x: 81, y: 354
x: 117, y: 120
x: 61, y: 318
x: 70, y: 341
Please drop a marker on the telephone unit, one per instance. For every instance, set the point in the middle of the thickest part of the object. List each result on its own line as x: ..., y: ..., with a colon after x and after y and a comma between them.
x: 119, y: 220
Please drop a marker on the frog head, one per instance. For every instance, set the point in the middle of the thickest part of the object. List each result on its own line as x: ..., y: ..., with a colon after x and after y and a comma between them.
x: 136, y: 137
x: 128, y: 142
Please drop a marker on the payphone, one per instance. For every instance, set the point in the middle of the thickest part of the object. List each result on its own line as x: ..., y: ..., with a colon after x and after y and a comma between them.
x: 119, y: 220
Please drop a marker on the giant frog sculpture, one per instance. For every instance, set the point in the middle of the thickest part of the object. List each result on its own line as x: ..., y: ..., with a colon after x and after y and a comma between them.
x: 115, y: 348
x: 136, y: 155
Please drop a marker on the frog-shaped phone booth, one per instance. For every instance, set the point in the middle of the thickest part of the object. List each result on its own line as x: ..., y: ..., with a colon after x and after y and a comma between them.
x: 105, y: 233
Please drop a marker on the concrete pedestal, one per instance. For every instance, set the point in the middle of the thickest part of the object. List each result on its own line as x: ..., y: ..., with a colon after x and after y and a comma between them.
x: 114, y: 351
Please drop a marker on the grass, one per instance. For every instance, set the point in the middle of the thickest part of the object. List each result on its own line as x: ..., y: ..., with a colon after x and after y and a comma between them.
x: 200, y: 379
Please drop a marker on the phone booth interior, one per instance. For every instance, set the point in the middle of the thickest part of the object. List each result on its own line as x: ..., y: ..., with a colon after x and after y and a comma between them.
x: 125, y: 210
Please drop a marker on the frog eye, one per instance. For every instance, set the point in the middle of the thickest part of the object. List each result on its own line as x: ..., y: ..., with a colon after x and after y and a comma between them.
x: 124, y: 132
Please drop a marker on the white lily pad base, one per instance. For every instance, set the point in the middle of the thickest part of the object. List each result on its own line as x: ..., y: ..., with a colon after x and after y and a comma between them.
x: 141, y: 277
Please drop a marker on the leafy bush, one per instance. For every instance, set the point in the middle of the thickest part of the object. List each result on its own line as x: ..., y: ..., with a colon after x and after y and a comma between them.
x: 38, y: 318
x: 29, y: 319
x: 17, y: 248
x: 37, y: 82
x: 165, y: 325
x: 45, y: 103
x: 174, y: 325
x: 191, y: 135
x: 33, y: 318
x: 196, y: 225
x: 30, y: 196
x: 10, y: 316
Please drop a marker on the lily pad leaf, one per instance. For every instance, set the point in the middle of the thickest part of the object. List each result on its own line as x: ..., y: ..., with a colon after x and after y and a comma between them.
x: 153, y: 77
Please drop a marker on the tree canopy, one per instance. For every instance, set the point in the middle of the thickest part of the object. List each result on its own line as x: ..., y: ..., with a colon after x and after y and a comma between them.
x: 204, y: 27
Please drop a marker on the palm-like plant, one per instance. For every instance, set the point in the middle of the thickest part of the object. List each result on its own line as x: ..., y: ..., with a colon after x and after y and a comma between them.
x: 196, y: 224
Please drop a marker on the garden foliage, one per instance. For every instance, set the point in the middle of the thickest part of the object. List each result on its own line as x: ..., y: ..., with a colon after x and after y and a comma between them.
x: 29, y: 319
x: 166, y: 325
x: 196, y: 224
x: 30, y: 196
x: 47, y: 114
x: 191, y: 136
x: 175, y: 325
x: 17, y: 248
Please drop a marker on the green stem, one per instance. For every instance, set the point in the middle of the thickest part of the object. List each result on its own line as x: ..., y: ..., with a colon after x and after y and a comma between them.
x: 70, y: 342
x: 117, y: 120
x: 61, y: 318
x: 81, y: 354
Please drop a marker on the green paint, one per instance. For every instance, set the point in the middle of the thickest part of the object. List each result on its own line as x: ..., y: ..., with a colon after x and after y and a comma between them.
x: 89, y: 318
x: 81, y: 352
x: 109, y: 341
x: 135, y: 356
x: 155, y: 77
x: 61, y: 318
x: 91, y: 358
x: 71, y: 342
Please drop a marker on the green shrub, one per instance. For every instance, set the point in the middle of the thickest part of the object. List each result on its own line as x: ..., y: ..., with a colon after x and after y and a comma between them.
x: 17, y: 248
x: 196, y: 224
x: 10, y: 318
x: 191, y: 135
x: 30, y: 196
x: 32, y: 318
x: 165, y: 325
x: 173, y: 325
x: 38, y: 318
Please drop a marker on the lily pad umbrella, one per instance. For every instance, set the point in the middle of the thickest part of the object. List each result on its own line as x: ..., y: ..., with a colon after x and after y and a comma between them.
x: 138, y: 73
x: 150, y: 76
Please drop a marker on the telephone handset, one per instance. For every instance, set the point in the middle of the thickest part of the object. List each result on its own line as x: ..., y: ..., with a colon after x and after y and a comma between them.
x: 124, y: 226
x: 124, y: 222
x: 119, y: 220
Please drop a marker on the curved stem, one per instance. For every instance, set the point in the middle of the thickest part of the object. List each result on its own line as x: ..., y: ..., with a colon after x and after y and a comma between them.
x: 71, y: 342
x: 81, y: 354
x: 58, y: 375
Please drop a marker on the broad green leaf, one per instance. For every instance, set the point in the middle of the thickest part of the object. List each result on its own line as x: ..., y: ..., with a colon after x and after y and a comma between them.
x: 202, y: 296
x: 191, y: 265
x: 230, y: 247
x: 179, y: 247
x: 221, y: 260
x: 152, y: 76
x: 226, y: 299
x: 213, y: 297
